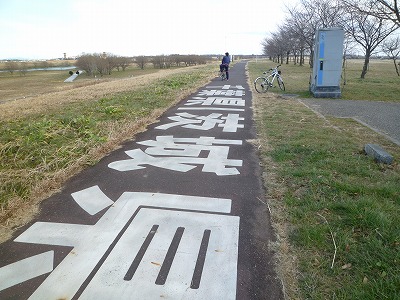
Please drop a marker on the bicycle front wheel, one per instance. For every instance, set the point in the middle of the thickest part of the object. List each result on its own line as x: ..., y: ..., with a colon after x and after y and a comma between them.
x: 261, y: 85
x: 281, y: 84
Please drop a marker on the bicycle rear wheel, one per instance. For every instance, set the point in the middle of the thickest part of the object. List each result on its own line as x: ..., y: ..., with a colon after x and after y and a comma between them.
x: 261, y: 84
x: 223, y: 75
x: 281, y: 84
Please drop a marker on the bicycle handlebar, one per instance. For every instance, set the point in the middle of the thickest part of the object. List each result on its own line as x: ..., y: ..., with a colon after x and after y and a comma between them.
x: 273, y: 68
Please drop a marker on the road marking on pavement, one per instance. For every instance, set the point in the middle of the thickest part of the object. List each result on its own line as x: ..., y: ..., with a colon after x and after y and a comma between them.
x: 226, y: 93
x: 229, y: 123
x: 226, y: 87
x: 92, y: 200
x: 210, y: 108
x: 189, y: 254
x: 209, y: 101
x: 26, y: 269
x: 182, y: 155
x: 167, y: 268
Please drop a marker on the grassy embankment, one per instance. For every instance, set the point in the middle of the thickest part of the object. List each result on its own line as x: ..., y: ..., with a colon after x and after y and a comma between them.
x: 336, y: 212
x: 381, y: 82
x: 47, y: 138
x: 33, y: 83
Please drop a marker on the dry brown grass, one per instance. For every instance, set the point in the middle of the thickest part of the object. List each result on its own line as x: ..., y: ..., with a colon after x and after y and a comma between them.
x: 19, y: 212
x: 42, y: 103
x: 17, y: 85
x: 286, y: 262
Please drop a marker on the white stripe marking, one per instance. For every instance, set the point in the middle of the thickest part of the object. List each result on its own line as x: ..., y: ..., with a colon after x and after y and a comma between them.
x: 26, y: 269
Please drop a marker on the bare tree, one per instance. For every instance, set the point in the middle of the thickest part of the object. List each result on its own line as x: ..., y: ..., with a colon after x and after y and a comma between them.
x: 201, y: 59
x: 123, y: 62
x: 268, y: 47
x: 11, y: 66
x: 367, y: 30
x: 177, y: 59
x: 45, y: 64
x: 23, y: 68
x: 87, y: 62
x: 290, y: 42
x: 189, y: 60
x: 116, y: 62
x: 298, y: 31
x: 157, y: 61
x: 111, y: 62
x: 168, y: 61
x: 141, y: 61
x: 311, y: 15
x: 383, y: 9
x: 294, y: 43
x: 391, y: 48
x: 391, y: 10
x: 102, y: 64
x: 276, y: 47
x: 303, y: 28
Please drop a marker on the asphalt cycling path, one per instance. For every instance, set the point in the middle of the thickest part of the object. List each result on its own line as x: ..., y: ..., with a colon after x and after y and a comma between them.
x: 176, y: 213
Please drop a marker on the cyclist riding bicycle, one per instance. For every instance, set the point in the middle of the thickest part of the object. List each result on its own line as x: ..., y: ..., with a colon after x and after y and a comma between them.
x: 224, y: 66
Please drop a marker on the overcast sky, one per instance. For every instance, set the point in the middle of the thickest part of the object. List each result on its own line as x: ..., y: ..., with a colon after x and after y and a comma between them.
x: 35, y: 29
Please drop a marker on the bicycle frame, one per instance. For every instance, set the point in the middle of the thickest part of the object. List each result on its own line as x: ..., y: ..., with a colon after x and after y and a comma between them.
x: 222, y: 73
x: 262, y: 84
x: 272, y: 76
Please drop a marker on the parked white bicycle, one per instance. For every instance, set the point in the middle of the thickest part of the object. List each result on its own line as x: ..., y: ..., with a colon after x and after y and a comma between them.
x: 263, y: 83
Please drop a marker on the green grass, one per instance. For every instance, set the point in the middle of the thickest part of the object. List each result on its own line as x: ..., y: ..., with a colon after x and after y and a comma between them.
x: 323, y: 173
x: 381, y: 82
x: 35, y: 147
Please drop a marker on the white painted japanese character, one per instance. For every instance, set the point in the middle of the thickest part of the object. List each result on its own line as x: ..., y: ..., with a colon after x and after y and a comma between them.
x: 127, y: 253
x: 227, y: 93
x: 229, y: 123
x: 182, y: 155
x: 226, y: 87
x: 216, y: 101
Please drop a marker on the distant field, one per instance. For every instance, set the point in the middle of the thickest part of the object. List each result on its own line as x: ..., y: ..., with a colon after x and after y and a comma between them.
x: 14, y: 86
x: 381, y: 82
x: 39, y: 64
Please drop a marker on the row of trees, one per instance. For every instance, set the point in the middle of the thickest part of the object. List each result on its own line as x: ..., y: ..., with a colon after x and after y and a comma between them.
x: 367, y: 23
x: 105, y: 63
x: 168, y: 61
x: 22, y: 67
x: 101, y: 64
x: 14, y: 66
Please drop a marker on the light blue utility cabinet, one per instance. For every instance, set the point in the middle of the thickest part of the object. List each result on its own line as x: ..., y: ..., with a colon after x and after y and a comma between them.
x: 327, y: 67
